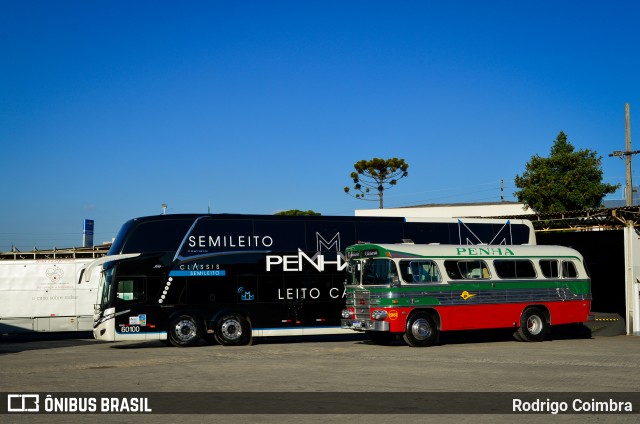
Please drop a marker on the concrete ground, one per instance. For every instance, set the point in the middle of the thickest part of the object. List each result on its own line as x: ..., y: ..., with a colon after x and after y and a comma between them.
x: 471, y: 366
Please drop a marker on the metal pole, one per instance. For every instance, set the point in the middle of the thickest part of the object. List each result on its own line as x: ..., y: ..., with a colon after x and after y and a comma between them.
x: 628, y: 276
x: 629, y: 188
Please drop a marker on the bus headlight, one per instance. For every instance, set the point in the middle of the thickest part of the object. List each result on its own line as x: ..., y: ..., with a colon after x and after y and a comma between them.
x: 379, y: 315
x: 346, y: 314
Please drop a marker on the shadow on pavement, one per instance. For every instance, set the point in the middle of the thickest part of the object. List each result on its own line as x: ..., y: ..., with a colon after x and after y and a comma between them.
x: 33, y: 341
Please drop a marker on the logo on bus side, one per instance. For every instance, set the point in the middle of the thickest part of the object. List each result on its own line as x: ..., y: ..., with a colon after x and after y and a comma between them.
x: 484, y: 251
x: 318, y: 261
x: 230, y: 241
x: 465, y: 295
x: 393, y: 315
x: 246, y: 295
x: 294, y: 262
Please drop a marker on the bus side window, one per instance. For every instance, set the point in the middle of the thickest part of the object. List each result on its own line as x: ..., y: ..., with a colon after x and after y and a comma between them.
x: 475, y: 270
x: 420, y: 272
x: 549, y: 268
x: 129, y: 290
x: 514, y: 268
x: 451, y: 267
x: 472, y: 270
x: 569, y: 270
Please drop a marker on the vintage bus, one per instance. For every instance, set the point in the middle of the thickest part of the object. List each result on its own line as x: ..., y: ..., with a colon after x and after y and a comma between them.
x: 229, y: 278
x: 416, y: 291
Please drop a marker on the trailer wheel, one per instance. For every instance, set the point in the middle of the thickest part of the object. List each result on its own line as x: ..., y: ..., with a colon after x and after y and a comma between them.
x: 233, y: 330
x: 421, y: 331
x: 533, y: 325
x: 185, y: 331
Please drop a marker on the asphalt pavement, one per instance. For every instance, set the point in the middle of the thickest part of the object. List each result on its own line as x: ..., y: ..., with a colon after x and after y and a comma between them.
x: 346, y: 376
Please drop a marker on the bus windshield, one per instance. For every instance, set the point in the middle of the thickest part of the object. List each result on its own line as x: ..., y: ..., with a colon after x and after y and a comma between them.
x: 379, y: 272
x: 372, y: 272
x: 104, y: 288
x: 354, y: 269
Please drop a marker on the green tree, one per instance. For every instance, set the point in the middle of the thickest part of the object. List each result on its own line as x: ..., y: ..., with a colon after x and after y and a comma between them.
x: 566, y: 180
x: 298, y: 212
x: 377, y: 174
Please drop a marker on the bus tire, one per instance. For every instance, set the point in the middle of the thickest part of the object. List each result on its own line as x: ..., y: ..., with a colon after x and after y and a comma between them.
x: 533, y: 325
x: 421, y: 330
x: 233, y: 330
x: 185, y: 331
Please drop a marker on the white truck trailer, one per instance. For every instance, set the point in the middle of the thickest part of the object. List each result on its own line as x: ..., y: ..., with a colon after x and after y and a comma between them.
x: 41, y: 291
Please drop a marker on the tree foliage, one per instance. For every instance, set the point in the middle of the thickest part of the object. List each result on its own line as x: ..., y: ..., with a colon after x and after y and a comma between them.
x: 566, y: 180
x: 297, y: 212
x: 372, y: 177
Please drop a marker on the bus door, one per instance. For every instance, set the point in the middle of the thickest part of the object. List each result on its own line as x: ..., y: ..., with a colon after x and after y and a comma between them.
x: 131, y: 293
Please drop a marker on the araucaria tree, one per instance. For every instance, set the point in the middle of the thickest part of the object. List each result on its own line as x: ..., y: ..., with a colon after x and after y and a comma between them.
x: 565, y: 181
x: 372, y: 177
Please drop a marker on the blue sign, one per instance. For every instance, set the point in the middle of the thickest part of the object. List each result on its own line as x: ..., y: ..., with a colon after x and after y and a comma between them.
x: 87, y: 233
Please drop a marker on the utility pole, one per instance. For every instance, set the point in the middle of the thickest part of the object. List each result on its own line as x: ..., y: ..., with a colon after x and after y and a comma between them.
x: 628, y: 192
x: 627, y: 136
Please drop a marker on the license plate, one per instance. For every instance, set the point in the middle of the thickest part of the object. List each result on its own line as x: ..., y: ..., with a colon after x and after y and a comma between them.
x: 356, y: 324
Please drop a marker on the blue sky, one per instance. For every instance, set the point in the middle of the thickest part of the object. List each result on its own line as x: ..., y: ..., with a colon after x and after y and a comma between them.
x: 108, y: 109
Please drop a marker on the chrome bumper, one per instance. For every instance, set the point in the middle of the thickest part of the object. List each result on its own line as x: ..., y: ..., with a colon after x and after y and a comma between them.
x: 364, y: 325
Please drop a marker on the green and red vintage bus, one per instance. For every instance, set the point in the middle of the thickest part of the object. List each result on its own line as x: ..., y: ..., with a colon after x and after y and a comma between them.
x: 416, y: 291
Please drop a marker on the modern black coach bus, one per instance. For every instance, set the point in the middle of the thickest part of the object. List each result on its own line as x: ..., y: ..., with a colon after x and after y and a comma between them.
x: 229, y: 278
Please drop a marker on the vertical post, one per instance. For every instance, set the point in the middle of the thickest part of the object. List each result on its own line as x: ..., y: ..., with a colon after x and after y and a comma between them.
x: 627, y: 126
x: 632, y: 279
x: 628, y: 277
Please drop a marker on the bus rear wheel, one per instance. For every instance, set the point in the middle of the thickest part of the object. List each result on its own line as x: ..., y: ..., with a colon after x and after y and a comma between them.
x: 533, y: 326
x: 421, y: 331
x: 233, y: 330
x: 185, y: 331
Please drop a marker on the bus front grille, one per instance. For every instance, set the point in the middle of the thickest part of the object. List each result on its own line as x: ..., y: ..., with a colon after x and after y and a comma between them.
x: 361, y: 304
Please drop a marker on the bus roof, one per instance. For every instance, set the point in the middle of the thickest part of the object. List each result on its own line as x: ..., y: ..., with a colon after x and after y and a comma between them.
x: 408, y: 250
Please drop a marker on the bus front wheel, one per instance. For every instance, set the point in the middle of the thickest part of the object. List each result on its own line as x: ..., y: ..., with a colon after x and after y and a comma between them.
x: 185, y: 331
x: 233, y: 330
x: 533, y: 326
x: 421, y: 331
